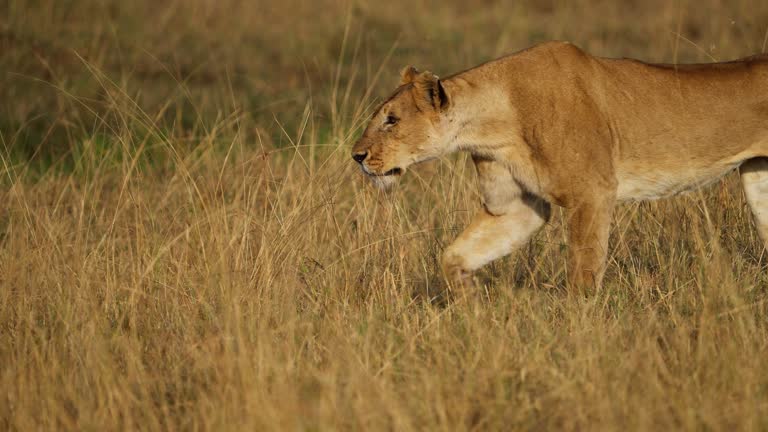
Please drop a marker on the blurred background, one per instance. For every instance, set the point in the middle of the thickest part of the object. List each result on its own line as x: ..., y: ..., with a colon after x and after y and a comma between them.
x: 190, y: 63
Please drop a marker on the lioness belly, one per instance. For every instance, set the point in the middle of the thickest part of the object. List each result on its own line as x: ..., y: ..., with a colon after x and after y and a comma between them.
x: 663, y: 183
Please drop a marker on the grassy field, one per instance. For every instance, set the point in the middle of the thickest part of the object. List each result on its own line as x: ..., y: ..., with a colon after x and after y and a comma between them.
x: 185, y: 243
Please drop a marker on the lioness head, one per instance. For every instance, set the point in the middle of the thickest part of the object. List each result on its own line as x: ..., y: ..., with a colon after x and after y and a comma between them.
x: 408, y: 128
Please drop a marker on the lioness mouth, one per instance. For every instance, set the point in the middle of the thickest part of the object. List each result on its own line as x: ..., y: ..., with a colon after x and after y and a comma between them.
x: 393, y: 171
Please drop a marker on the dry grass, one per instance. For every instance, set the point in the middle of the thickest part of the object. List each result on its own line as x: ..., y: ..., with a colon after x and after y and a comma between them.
x: 184, y: 243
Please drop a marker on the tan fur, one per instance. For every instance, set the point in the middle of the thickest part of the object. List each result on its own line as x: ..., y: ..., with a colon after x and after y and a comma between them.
x: 554, y: 125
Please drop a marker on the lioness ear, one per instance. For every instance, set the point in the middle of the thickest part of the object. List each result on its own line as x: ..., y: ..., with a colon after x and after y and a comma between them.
x: 408, y: 74
x: 430, y: 93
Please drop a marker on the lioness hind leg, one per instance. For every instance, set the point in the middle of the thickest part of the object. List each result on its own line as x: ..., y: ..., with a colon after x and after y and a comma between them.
x: 754, y: 178
x: 489, y: 237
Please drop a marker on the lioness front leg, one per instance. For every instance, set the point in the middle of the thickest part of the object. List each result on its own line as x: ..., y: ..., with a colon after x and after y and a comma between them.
x: 490, y: 236
x: 589, y: 224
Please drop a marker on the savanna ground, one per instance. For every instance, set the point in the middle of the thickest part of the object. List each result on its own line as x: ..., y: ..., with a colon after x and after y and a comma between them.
x: 185, y: 243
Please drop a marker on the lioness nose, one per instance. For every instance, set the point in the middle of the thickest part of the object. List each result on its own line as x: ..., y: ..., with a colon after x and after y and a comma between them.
x: 359, y: 157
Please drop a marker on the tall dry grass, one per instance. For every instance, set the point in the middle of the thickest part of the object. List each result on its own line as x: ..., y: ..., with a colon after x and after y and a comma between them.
x: 184, y: 243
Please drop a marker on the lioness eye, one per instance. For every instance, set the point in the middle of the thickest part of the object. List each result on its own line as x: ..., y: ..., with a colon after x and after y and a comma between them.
x: 390, y: 120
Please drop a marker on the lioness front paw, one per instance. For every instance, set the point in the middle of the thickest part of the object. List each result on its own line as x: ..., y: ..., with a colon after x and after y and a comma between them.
x: 459, y: 279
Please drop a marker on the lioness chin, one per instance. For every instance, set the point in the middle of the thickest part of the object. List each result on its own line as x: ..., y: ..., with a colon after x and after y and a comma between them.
x: 555, y: 125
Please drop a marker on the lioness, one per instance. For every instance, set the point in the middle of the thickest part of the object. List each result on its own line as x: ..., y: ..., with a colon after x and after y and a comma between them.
x: 555, y: 125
